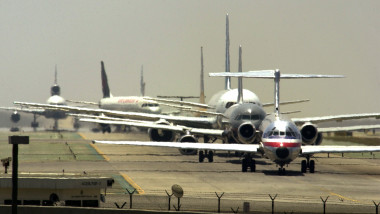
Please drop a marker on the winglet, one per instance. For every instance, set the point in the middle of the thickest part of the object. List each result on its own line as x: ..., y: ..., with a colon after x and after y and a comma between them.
x: 105, y: 87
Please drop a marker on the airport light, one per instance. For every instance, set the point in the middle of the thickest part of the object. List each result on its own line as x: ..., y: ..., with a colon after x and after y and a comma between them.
x: 16, y: 140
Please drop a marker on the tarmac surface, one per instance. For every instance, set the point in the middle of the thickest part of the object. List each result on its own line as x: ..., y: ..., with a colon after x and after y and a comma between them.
x: 351, y: 183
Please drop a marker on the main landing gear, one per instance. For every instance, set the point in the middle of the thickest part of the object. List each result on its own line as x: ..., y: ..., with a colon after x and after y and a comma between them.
x: 208, y: 154
x: 248, y: 162
x: 281, y: 170
x: 307, y: 164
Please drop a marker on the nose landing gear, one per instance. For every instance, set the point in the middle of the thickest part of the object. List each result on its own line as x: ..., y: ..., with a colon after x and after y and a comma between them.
x: 248, y: 162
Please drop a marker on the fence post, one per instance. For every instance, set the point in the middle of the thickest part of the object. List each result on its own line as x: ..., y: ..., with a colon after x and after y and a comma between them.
x: 273, y: 198
x: 130, y: 197
x: 235, y: 211
x: 377, y: 206
x: 219, y: 197
x: 170, y: 196
x: 324, y: 204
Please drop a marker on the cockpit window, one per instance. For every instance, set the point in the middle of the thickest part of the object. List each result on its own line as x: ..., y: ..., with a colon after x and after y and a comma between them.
x: 289, y: 133
x: 248, y: 117
x: 229, y: 104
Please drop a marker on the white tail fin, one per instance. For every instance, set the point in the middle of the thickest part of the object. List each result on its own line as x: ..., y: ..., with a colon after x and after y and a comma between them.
x: 227, y: 85
x: 240, y: 79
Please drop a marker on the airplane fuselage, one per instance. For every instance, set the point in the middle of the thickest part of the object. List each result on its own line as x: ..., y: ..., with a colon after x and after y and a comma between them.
x: 55, y: 114
x: 223, y: 100
x: 130, y: 104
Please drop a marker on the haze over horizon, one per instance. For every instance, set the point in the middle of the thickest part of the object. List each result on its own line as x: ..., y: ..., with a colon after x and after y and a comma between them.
x: 312, y: 37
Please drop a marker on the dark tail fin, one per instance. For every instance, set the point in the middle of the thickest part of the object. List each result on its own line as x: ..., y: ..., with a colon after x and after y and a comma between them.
x: 105, y: 87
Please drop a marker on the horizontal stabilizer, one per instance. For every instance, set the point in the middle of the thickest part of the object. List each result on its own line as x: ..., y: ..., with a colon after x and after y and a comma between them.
x: 270, y: 74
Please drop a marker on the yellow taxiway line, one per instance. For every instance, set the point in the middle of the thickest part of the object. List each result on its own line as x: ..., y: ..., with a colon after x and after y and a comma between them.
x: 132, y: 183
x: 100, y: 152
x: 96, y: 148
x: 125, y: 176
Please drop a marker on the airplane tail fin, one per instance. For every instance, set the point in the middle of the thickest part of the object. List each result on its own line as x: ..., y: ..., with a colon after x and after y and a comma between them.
x: 105, y: 87
x: 55, y: 89
x: 273, y: 74
x: 202, y: 92
x: 142, y: 83
x: 240, y: 79
x: 227, y: 85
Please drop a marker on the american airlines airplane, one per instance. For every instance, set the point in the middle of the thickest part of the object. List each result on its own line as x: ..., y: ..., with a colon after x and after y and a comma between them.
x: 54, y: 99
x: 280, y: 140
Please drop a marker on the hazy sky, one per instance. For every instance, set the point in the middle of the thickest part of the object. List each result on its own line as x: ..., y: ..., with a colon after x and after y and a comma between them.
x: 326, y: 37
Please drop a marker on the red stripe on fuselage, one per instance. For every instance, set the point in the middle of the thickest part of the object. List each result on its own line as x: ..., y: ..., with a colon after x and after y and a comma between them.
x: 282, y: 144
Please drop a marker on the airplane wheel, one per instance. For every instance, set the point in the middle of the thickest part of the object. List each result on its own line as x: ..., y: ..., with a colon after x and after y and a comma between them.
x: 281, y: 171
x: 210, y: 156
x: 201, y: 156
x: 312, y: 166
x: 244, y: 165
x: 253, y: 165
x: 303, y: 166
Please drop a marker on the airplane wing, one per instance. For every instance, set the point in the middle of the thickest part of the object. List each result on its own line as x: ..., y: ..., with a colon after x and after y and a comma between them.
x: 286, y: 102
x: 176, y: 128
x: 200, y: 122
x: 83, y: 102
x: 335, y: 118
x: 338, y: 149
x: 193, y: 104
x: 27, y: 110
x: 348, y: 128
x: 253, y: 148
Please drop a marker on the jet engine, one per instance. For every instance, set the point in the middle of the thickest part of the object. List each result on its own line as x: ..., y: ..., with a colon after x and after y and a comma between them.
x: 246, y: 133
x: 15, y: 117
x: 161, y: 135
x: 310, y: 133
x: 188, y: 139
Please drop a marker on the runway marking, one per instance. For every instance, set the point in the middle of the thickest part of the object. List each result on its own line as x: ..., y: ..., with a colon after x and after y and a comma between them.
x: 82, y: 135
x: 343, y: 197
x: 132, y: 183
x: 100, y: 152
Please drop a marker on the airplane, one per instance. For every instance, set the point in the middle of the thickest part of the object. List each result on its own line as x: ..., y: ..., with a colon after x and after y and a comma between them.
x: 281, y: 140
x: 123, y: 103
x: 54, y: 99
x: 239, y: 124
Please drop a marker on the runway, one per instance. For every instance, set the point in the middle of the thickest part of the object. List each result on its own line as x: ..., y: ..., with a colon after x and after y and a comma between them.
x: 352, y: 184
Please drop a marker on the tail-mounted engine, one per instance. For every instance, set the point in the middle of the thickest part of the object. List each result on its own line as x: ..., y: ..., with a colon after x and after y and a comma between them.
x: 310, y: 134
x: 246, y: 133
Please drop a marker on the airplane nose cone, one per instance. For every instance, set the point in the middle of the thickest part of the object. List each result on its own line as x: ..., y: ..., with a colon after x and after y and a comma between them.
x: 282, y: 152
